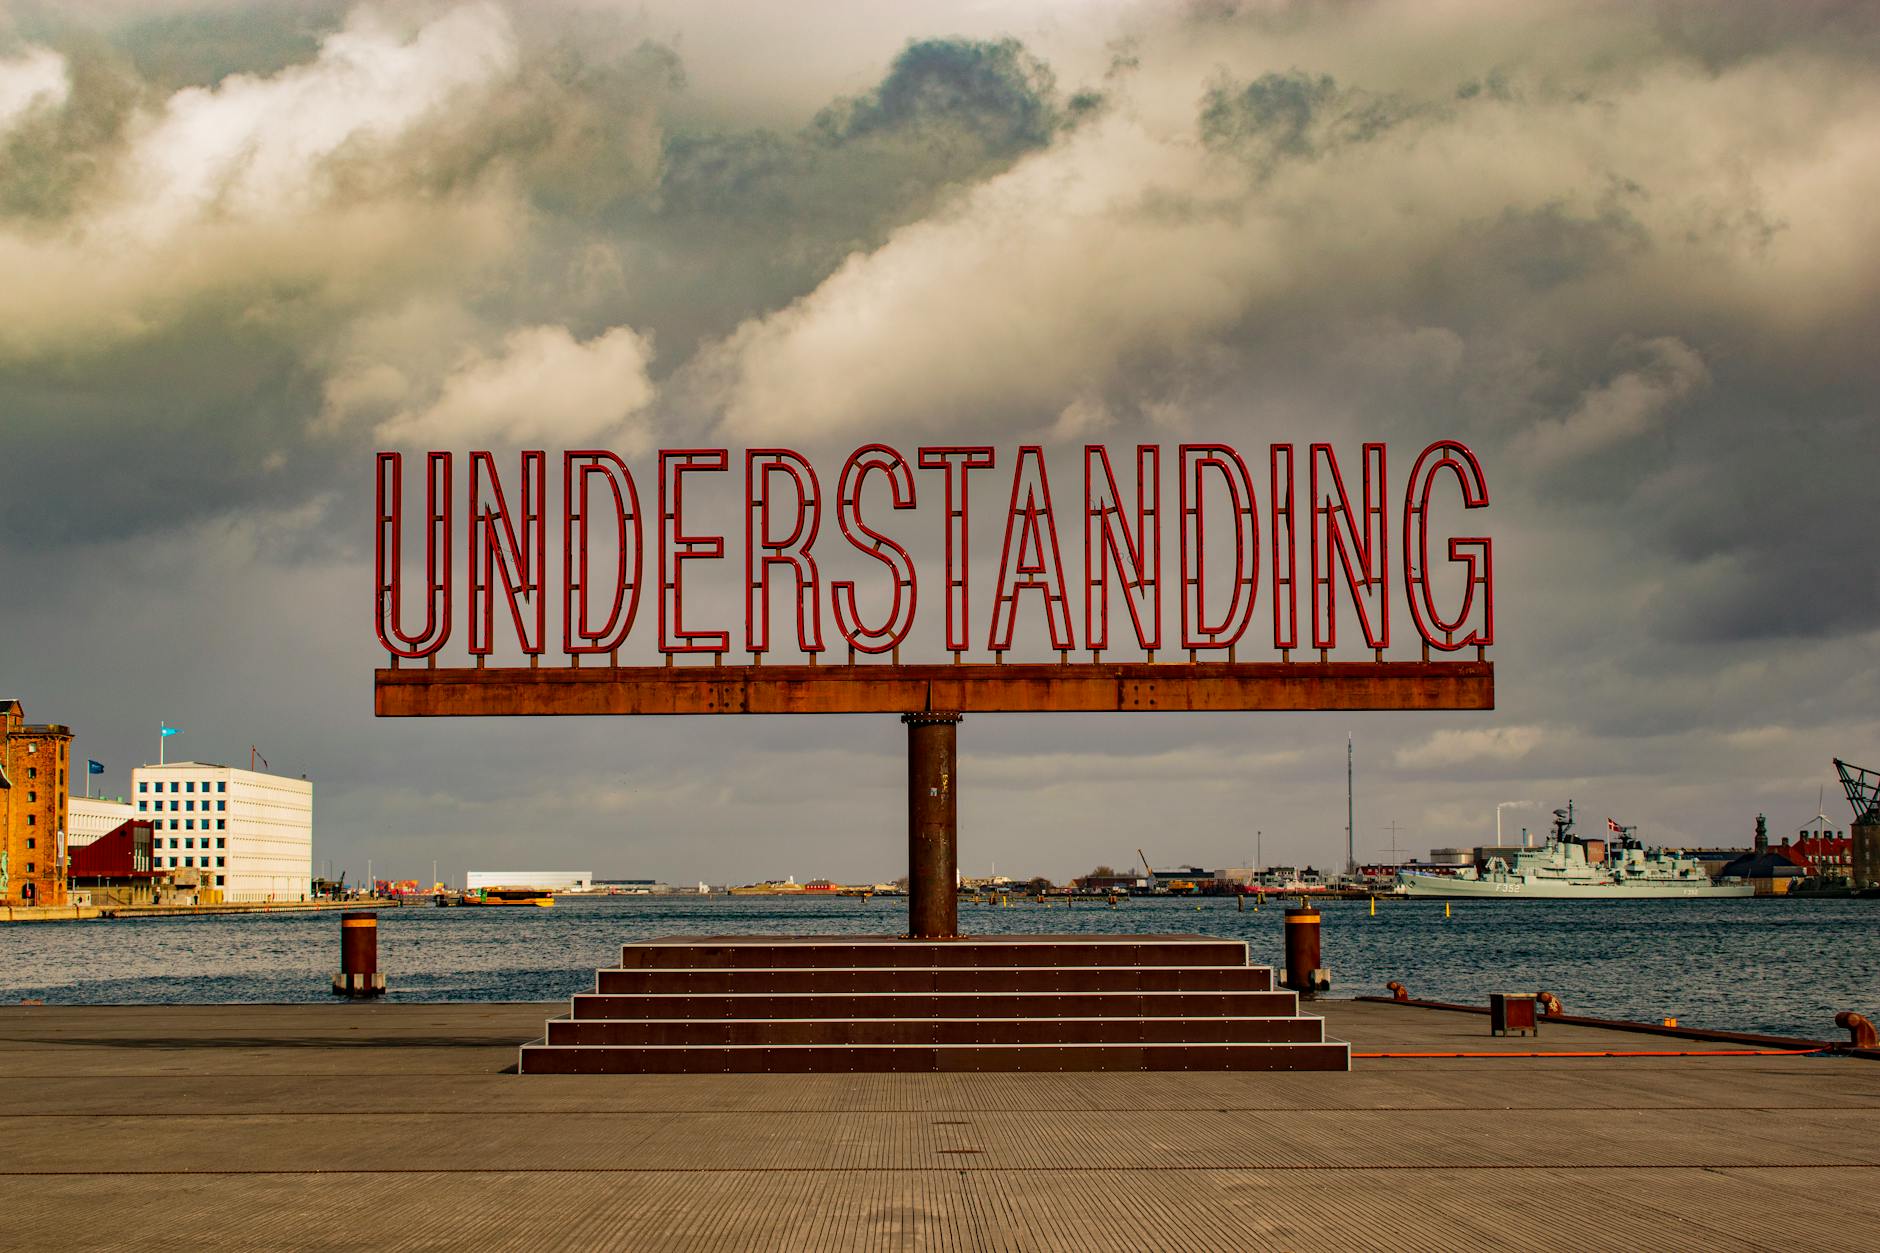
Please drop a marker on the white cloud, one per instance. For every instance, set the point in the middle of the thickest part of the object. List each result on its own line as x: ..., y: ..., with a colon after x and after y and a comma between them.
x: 543, y: 385
x: 255, y: 146
x: 1656, y: 197
x: 293, y: 189
x: 1459, y: 748
x: 32, y: 80
x: 1023, y: 297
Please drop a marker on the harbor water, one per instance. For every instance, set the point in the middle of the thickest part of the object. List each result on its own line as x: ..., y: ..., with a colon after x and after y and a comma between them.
x: 1775, y: 965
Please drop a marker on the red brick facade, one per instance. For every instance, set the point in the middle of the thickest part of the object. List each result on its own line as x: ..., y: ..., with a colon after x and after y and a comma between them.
x: 33, y: 809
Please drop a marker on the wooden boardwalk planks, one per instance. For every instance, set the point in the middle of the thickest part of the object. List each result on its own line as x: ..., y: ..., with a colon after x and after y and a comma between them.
x: 391, y: 1126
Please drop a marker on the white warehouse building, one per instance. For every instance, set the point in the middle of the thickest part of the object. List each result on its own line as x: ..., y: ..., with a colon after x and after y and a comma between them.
x: 252, y: 831
x: 549, y: 880
x: 89, y: 818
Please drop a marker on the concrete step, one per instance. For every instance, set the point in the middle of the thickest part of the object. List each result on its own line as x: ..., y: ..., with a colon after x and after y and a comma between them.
x: 732, y: 952
x: 983, y: 980
x: 873, y: 1031
x: 967, y: 1004
x: 574, y: 1059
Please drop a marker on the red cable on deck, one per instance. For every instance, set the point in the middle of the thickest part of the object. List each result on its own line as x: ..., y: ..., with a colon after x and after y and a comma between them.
x: 1632, y: 1053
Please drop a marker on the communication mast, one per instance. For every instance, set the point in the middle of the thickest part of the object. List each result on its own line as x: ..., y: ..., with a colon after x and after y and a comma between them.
x: 1351, y: 837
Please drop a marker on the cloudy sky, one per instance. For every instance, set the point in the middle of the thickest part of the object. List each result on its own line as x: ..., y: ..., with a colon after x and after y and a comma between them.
x: 1628, y: 252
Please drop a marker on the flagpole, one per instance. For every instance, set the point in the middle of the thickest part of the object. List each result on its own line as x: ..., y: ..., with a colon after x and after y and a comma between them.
x: 161, y: 740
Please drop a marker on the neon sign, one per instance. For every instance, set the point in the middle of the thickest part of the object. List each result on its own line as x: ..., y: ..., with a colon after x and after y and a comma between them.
x: 1235, y: 539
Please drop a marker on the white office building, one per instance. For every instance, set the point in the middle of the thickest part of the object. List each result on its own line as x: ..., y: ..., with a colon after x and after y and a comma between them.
x: 252, y: 831
x: 89, y: 817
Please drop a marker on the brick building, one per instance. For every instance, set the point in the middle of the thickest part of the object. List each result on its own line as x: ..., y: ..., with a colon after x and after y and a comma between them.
x: 1824, y: 853
x: 33, y: 808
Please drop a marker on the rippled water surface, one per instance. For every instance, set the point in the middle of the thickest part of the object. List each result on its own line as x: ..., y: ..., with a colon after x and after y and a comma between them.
x: 1770, y: 965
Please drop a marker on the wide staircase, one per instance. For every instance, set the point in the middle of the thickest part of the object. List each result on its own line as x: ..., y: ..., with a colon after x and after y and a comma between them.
x: 837, y: 1004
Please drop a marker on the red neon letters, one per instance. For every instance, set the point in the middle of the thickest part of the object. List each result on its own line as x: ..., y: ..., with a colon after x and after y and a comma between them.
x: 764, y: 549
x: 1472, y: 551
x: 391, y: 550
x: 579, y: 469
x: 495, y: 545
x: 1033, y: 562
x: 1363, y: 561
x: 1138, y: 558
x: 1197, y: 631
x: 604, y: 551
x: 888, y: 636
x: 676, y: 547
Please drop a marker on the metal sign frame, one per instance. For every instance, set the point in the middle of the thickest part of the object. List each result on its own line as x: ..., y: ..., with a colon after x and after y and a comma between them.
x: 1347, y: 560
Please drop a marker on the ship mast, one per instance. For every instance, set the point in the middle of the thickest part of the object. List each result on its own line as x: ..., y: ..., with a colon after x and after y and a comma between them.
x: 1351, y: 839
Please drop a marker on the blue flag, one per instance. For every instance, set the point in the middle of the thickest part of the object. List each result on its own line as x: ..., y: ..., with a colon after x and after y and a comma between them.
x: 169, y: 731
x: 94, y: 767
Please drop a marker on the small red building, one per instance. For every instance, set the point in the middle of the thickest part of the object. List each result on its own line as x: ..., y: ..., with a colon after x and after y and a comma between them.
x: 118, y: 866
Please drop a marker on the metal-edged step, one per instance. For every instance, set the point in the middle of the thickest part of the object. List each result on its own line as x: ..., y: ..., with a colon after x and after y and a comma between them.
x: 700, y: 1032
x: 544, y: 1059
x: 842, y: 1004
x: 968, y: 1004
x: 731, y: 952
x: 985, y: 980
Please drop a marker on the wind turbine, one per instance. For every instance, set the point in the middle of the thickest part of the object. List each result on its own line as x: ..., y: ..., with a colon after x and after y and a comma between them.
x: 1820, y: 820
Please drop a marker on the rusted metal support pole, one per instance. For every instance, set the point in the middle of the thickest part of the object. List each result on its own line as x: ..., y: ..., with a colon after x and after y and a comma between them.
x: 933, y: 911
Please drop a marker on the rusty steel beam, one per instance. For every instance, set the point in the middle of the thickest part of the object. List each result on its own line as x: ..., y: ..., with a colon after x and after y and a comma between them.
x: 971, y: 688
x: 933, y: 901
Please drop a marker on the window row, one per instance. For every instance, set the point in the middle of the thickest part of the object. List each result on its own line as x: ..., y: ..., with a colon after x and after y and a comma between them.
x: 187, y: 785
x: 187, y: 806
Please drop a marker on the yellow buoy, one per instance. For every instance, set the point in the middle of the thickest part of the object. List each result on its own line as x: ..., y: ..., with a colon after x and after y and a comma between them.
x: 1445, y: 909
x: 1373, y: 907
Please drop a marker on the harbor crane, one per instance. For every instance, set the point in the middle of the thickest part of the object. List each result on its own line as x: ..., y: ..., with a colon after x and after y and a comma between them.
x: 1863, y: 791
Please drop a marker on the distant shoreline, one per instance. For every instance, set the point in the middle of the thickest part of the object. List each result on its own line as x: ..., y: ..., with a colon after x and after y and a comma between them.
x: 84, y: 913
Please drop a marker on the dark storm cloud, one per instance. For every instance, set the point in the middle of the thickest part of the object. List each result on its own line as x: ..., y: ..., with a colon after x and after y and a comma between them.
x: 1627, y: 251
x: 751, y: 219
x: 1291, y: 115
x: 994, y: 91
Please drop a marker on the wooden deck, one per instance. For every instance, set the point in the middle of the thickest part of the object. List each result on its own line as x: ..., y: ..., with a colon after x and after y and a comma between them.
x: 394, y: 1126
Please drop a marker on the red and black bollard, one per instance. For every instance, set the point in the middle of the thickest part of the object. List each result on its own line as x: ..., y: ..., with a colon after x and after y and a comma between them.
x: 1302, y: 972
x: 359, y: 955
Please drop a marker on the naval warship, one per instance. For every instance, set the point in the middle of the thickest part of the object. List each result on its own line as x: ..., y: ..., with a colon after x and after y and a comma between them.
x: 1572, y: 867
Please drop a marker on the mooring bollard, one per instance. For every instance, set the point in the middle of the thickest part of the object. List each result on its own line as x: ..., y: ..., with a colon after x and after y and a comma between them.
x: 359, y: 955
x: 1302, y: 972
